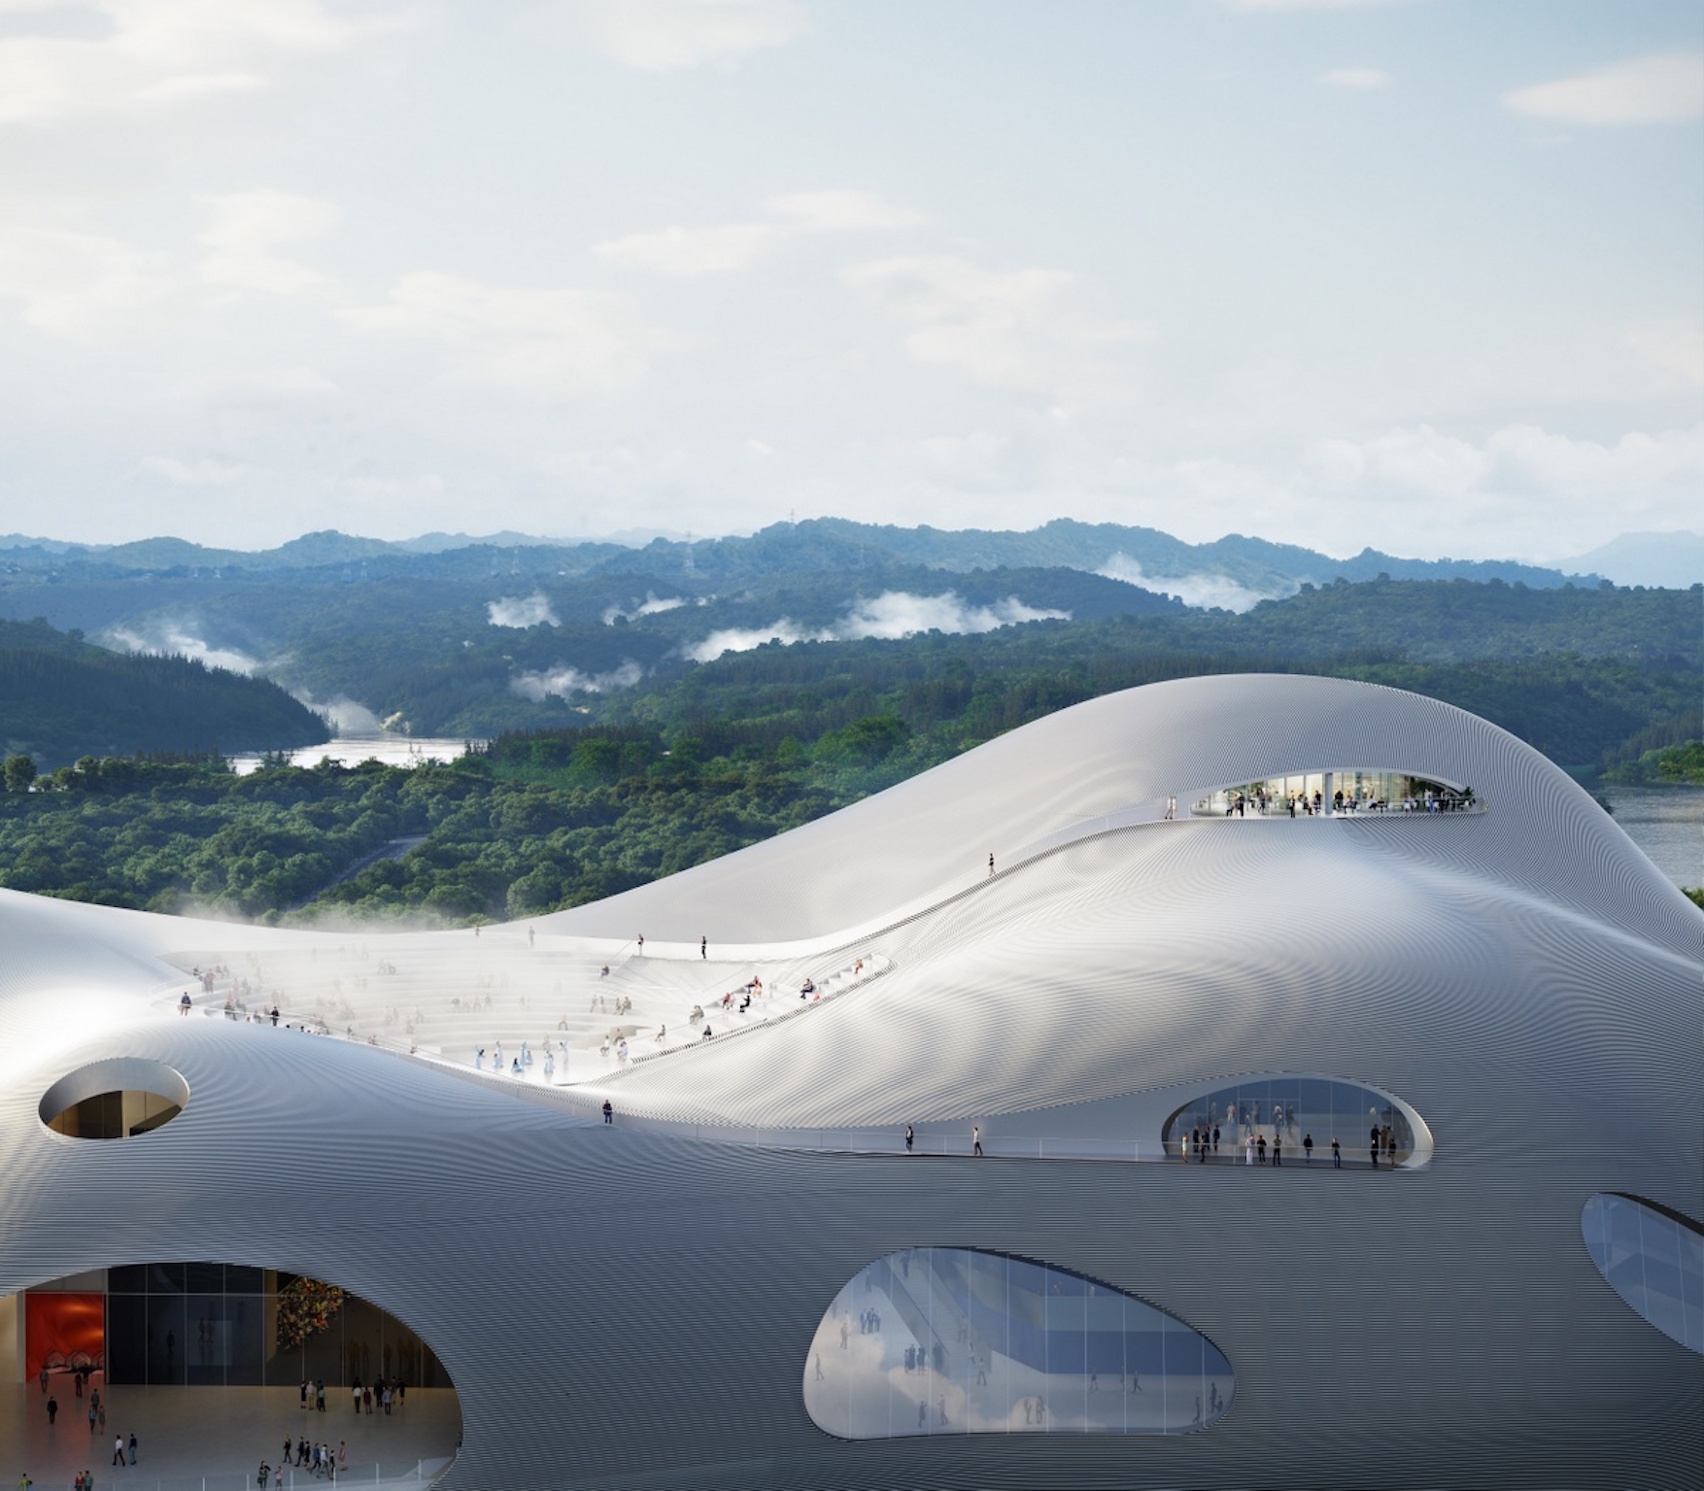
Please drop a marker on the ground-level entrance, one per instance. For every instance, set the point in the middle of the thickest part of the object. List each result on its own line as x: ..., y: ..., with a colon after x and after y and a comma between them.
x: 206, y: 1365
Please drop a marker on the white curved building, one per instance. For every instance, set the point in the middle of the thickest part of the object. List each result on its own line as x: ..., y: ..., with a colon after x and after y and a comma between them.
x: 744, y: 1280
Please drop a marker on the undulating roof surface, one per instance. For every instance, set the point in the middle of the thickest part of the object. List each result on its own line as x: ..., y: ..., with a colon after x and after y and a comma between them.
x: 1506, y: 981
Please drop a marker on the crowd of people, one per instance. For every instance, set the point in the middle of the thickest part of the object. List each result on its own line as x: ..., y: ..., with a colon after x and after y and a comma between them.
x: 1201, y: 1143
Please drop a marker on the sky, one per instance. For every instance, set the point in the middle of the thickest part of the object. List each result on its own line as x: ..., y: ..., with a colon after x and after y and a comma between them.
x: 1425, y: 275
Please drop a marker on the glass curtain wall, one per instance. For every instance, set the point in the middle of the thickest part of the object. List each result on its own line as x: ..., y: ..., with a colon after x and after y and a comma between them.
x: 217, y: 1324
x: 960, y: 1341
x: 1290, y: 1109
x: 1343, y: 790
x: 1654, y: 1259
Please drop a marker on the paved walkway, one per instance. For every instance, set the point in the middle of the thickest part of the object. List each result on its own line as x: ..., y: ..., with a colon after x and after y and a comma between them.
x: 188, y: 1436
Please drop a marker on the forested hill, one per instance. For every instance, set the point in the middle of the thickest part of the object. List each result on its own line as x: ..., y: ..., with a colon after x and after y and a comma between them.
x: 62, y: 699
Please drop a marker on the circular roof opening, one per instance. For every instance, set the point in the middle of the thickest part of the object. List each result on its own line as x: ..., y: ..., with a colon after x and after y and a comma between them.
x: 115, y: 1099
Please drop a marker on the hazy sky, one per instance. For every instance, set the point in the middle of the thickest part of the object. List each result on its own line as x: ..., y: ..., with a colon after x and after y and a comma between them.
x: 1427, y: 276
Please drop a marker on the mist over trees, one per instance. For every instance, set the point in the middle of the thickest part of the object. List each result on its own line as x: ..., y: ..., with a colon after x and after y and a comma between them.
x: 61, y: 698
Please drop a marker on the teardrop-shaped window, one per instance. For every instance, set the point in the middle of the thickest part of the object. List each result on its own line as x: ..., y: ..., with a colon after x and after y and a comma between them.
x: 1653, y: 1257
x: 962, y: 1341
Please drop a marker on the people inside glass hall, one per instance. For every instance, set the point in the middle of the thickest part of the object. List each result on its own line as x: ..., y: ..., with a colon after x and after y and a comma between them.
x: 933, y: 1341
x: 1292, y: 1121
x: 1335, y: 792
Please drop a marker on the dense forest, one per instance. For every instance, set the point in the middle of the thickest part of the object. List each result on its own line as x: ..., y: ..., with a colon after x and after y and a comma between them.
x: 718, y: 757
x: 648, y: 709
x: 61, y: 698
x: 477, y: 638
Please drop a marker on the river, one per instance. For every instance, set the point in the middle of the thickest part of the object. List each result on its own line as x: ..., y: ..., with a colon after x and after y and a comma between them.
x: 1666, y: 822
x: 351, y: 750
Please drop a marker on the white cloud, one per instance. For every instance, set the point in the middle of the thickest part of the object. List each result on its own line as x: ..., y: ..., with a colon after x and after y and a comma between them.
x: 842, y: 209
x: 891, y: 615
x: 1525, y: 457
x: 77, y: 286
x: 546, y: 344
x: 244, y: 230
x: 743, y: 639
x: 1419, y: 461
x: 1024, y: 328
x: 155, y: 53
x: 694, y: 251
x: 522, y: 611
x: 730, y: 246
x: 1363, y: 79
x: 346, y: 715
x: 985, y: 462
x: 171, y: 637
x: 652, y: 605
x: 1674, y: 350
x: 673, y: 35
x: 1666, y: 89
x: 1423, y: 462
x: 203, y: 473
x: 1200, y: 589
x: 564, y: 680
x: 898, y: 613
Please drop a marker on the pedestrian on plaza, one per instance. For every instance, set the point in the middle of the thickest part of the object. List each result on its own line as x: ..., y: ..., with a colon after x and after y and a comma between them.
x: 52, y: 1409
x: 976, y: 1140
x: 1307, y: 1149
x: 132, y: 1449
x: 703, y: 947
x: 608, y: 1112
x: 118, y: 1449
x: 910, y: 1136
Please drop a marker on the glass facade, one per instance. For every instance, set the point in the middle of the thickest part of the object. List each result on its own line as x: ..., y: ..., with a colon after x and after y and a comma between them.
x: 1283, y: 1111
x: 1335, y: 790
x: 1654, y: 1259
x: 961, y: 1341
x: 216, y: 1324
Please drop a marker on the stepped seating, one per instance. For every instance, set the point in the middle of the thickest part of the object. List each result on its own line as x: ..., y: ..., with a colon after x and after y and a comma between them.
x: 453, y: 1000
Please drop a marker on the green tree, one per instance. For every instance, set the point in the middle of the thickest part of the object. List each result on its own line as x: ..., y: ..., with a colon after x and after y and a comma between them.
x: 20, y: 772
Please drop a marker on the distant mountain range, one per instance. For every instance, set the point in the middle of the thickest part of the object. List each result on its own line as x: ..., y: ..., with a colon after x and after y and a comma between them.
x: 446, y: 635
x: 1673, y: 561
x: 1233, y: 572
